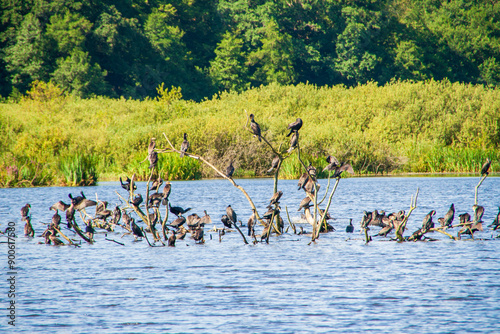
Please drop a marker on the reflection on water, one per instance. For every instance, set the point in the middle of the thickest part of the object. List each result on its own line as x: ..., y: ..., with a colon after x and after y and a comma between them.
x: 337, y: 284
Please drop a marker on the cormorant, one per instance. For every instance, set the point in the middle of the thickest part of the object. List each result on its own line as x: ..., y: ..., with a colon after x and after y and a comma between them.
x: 166, y: 192
x: 117, y: 214
x: 304, y: 203
x: 276, y: 197
x: 76, y: 200
x: 486, y: 167
x: 427, y: 223
x: 231, y: 214
x: 152, y: 145
x: 156, y: 184
x: 255, y: 127
x: 294, y: 140
x: 171, y: 240
x: 350, y: 227
x: 184, y: 145
x: 274, y: 164
x: 177, y: 210
x: 28, y: 228
x: 153, y: 159
x: 178, y: 222
x: 230, y: 169
x: 137, y: 200
x: 226, y: 221
x: 302, y: 180
x: 135, y: 229
x: 448, y: 217
x: 126, y: 185
x: 295, y: 126
x: 25, y: 211
x: 61, y: 206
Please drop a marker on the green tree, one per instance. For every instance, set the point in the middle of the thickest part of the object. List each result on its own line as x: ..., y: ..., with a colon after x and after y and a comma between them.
x: 228, y: 69
x: 77, y: 75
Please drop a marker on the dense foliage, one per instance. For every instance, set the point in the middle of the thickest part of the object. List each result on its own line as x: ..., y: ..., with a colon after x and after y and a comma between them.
x: 128, y: 48
x: 52, y: 138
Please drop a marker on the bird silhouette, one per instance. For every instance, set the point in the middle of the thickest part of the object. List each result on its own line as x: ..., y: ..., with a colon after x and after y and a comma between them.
x: 255, y: 127
x: 295, y: 126
x: 184, y: 146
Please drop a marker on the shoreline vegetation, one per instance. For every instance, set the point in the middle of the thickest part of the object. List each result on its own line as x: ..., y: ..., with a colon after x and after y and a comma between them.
x: 400, y: 129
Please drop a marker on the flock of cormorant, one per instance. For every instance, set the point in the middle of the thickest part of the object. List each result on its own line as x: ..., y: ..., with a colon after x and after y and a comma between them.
x: 149, y: 212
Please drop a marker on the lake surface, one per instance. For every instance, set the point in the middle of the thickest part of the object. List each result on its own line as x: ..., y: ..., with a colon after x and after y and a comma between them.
x: 338, y: 284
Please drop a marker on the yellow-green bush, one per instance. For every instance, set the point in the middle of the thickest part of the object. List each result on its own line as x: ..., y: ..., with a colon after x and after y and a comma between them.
x: 433, y: 126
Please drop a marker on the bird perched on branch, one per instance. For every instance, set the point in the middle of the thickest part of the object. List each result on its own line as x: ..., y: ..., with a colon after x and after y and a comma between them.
x: 184, y: 146
x: 126, y: 185
x: 294, y: 141
x: 171, y: 240
x: 155, y: 199
x: 76, y: 200
x: 205, y: 220
x: 303, y: 180
x: 117, y: 215
x: 61, y: 206
x: 295, y: 126
x: 156, y: 184
x: 89, y: 230
x: 137, y: 200
x: 178, y: 222
x: 166, y: 192
x: 276, y: 197
x: 136, y: 230
x: 226, y: 221
x: 230, y: 169
x: 25, y: 212
x: 336, y: 167
x: 152, y: 145
x: 332, y: 163
x: 448, y: 217
x: 85, y: 203
x: 486, y: 167
x: 255, y: 127
x: 427, y: 223
x: 50, y: 238
x: 56, y: 219
x: 153, y: 159
x: 304, y: 203
x: 274, y: 164
x: 28, y: 228
x: 177, y: 210
x: 231, y: 214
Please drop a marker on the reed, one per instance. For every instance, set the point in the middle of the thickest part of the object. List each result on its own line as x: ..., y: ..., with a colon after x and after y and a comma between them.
x: 79, y: 170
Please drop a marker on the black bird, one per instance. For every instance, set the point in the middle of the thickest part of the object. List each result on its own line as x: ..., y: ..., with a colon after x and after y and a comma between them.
x: 84, y: 203
x: 230, y: 169
x: 126, y: 185
x: 25, y: 211
x: 28, y: 229
x: 152, y: 145
x: 344, y: 167
x: 166, y: 192
x: 427, y: 223
x: 50, y: 237
x: 177, y: 210
x: 309, y: 186
x: 276, y: 197
x: 205, y: 220
x: 250, y: 224
x: 101, y: 205
x: 304, y: 203
x: 184, y: 145
x: 496, y: 222
x: 136, y: 230
x: 303, y: 180
x: 156, y: 184
x: 231, y: 214
x: 255, y: 127
x: 155, y: 199
x: 274, y: 164
x: 117, y: 214
x: 294, y: 140
x: 486, y: 167
x: 61, y: 206
x: 153, y: 159
x: 478, y: 213
x: 56, y: 219
x: 193, y: 221
x: 70, y: 215
x: 89, y: 230
x: 448, y: 217
x: 171, y: 240
x: 464, y: 218
x: 295, y: 126
x: 350, y: 227
x: 311, y: 170
x: 76, y: 200
x: 197, y: 234
x: 137, y: 200
x: 104, y: 213
x: 333, y: 163
x: 226, y: 221
x: 178, y: 222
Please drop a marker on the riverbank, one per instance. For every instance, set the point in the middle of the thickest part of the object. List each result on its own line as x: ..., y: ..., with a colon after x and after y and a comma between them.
x: 426, y: 127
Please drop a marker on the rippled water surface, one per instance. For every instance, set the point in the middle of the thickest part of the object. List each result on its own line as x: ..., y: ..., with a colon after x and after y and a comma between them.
x: 338, y: 284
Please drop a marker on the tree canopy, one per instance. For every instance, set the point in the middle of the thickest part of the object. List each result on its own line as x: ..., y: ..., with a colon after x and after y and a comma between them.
x: 129, y: 48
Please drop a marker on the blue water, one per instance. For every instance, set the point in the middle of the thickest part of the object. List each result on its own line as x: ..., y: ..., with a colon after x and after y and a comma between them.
x: 338, y: 284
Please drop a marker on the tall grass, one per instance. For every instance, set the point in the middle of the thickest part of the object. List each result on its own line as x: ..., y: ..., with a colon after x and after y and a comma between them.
x: 79, y: 170
x: 433, y: 126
